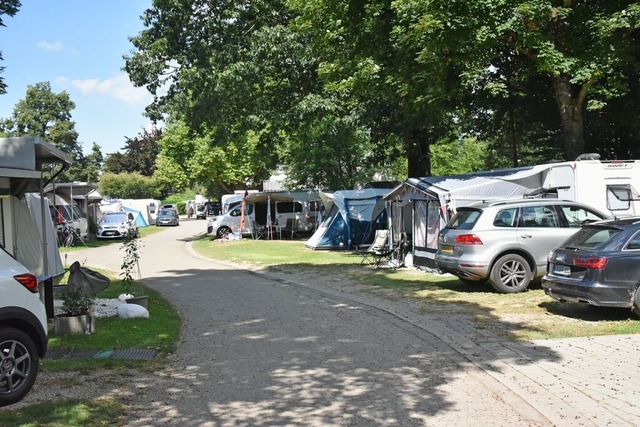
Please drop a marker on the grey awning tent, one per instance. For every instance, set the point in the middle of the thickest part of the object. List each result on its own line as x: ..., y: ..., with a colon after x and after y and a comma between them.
x: 25, y: 223
x: 420, y: 207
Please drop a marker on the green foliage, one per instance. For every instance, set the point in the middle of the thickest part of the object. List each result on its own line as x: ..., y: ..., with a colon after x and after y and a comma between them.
x: 139, y: 154
x: 75, y: 301
x: 46, y: 114
x: 127, y: 186
x: 458, y: 157
x: 9, y: 8
x: 330, y: 91
x: 130, y: 268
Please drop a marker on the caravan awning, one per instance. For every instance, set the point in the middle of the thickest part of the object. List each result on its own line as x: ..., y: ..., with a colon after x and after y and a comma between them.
x: 263, y: 197
x: 21, y: 161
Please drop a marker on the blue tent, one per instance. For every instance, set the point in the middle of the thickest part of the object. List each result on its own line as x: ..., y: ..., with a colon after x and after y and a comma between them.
x: 138, y: 217
x: 351, y: 219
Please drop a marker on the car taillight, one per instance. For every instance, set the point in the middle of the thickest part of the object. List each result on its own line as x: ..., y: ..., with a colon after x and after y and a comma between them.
x: 29, y: 281
x: 468, y: 239
x: 595, y: 263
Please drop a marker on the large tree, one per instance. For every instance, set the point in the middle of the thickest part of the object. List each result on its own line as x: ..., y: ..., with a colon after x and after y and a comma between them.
x: 139, y: 154
x: 47, y: 114
x: 9, y: 8
x: 582, y: 48
x: 235, y: 77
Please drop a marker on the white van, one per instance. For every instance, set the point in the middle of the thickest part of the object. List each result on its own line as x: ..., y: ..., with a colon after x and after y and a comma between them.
x: 63, y: 211
x: 291, y: 213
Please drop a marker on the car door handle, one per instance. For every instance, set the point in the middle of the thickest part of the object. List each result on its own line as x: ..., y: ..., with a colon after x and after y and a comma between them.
x: 526, y: 236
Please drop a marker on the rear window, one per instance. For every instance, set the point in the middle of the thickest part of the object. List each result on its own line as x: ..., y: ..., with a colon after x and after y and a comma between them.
x: 464, y: 219
x: 591, y: 238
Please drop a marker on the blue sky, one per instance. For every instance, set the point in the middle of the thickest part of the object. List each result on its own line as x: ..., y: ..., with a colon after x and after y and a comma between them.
x: 77, y: 46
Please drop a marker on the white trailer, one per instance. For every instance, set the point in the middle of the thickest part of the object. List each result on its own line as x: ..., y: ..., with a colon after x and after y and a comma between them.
x: 606, y: 185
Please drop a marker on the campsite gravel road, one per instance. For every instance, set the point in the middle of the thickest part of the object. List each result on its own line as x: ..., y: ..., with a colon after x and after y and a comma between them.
x: 257, y: 350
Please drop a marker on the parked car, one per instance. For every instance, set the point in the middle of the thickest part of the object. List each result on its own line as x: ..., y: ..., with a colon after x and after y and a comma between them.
x: 170, y: 206
x: 115, y: 225
x: 23, y: 329
x: 201, y: 211
x: 167, y: 217
x: 507, y: 242
x: 599, y: 265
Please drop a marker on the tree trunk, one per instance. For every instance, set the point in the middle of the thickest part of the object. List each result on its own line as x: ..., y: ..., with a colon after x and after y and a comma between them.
x: 418, y: 156
x: 571, y: 108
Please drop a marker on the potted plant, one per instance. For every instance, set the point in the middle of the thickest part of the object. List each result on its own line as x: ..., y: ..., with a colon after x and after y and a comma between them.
x: 76, y: 307
x: 131, y: 271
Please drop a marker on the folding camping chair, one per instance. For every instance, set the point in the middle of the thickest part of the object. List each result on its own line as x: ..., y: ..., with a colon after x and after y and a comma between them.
x: 379, y: 252
x: 259, y: 231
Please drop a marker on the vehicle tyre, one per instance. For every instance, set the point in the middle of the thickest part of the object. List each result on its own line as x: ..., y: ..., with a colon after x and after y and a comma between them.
x: 68, y: 240
x: 222, y: 231
x: 510, y: 274
x: 19, y: 363
x: 636, y: 302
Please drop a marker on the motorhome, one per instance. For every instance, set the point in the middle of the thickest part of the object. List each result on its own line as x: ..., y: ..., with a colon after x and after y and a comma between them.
x: 288, y: 211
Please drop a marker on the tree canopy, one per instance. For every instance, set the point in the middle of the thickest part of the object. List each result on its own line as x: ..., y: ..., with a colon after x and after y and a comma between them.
x: 332, y: 91
x: 9, y: 8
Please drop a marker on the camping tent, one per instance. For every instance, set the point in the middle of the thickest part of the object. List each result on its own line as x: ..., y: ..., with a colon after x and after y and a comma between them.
x: 138, y: 216
x: 351, y: 218
x: 420, y: 207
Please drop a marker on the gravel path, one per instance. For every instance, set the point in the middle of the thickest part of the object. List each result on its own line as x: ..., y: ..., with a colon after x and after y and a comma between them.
x: 282, y: 350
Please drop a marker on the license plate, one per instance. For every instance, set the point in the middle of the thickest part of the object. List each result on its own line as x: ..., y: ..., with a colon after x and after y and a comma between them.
x: 447, y: 250
x: 562, y: 270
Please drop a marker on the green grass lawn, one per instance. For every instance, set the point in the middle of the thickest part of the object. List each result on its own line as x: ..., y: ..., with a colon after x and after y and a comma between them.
x: 159, y: 332
x: 526, y: 315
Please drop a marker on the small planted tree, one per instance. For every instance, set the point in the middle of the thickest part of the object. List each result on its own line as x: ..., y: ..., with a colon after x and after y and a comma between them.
x: 130, y: 269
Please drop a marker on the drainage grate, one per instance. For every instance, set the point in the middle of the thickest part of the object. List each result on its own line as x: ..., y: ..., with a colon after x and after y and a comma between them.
x: 134, y: 353
x: 131, y: 353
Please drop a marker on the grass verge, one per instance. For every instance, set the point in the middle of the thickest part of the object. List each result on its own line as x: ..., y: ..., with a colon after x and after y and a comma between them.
x: 159, y: 332
x: 103, y: 412
x: 524, y: 316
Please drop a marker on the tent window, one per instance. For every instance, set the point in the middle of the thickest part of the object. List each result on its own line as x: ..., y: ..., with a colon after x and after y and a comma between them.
x: 289, y: 207
x: 618, y: 197
x: 420, y: 224
x: 433, y: 224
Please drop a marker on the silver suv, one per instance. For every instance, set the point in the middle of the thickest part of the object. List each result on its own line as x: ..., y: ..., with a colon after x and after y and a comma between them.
x: 507, y: 242
x: 23, y: 329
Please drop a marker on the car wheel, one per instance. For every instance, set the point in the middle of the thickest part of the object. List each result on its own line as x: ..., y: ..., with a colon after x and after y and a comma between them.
x: 19, y: 364
x: 636, y: 302
x: 510, y: 274
x: 223, y: 231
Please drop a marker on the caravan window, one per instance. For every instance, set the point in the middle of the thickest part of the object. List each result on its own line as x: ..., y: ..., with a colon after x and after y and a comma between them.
x: 618, y: 197
x: 237, y: 211
x: 289, y: 207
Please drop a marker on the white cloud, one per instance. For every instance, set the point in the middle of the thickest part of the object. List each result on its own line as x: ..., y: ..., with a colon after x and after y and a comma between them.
x: 118, y: 87
x: 50, y: 46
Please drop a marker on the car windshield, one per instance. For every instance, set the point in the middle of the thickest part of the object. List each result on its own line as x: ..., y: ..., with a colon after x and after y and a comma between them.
x: 465, y: 219
x: 591, y: 238
x: 167, y: 212
x: 113, y: 219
